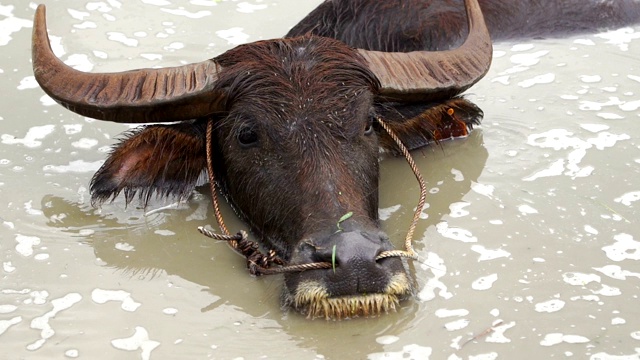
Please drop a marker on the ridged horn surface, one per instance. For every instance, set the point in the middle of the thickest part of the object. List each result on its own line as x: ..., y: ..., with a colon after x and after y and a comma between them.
x: 137, y: 96
x: 433, y: 75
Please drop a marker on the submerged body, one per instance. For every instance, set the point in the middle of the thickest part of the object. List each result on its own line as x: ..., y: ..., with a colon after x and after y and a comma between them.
x: 410, y: 25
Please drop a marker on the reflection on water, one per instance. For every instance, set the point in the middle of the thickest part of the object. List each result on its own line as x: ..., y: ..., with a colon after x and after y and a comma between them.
x: 528, y: 241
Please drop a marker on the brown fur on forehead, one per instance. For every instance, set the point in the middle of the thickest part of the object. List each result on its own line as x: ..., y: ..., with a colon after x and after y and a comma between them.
x: 285, y: 79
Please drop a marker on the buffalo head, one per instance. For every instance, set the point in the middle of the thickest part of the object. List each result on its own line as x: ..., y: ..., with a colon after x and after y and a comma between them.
x: 295, y: 143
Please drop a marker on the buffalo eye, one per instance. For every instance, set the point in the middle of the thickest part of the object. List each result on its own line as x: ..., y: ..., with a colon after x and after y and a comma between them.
x: 368, y: 130
x: 247, y: 137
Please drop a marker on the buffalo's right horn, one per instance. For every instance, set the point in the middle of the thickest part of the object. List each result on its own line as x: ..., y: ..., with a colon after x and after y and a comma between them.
x: 138, y: 96
x: 435, y: 75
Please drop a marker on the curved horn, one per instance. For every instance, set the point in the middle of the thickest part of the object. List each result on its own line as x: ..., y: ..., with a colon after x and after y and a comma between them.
x: 432, y: 75
x: 138, y: 96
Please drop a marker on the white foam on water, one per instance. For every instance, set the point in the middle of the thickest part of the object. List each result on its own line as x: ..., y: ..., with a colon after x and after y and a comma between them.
x: 124, y: 246
x: 6, y: 324
x: 597, y: 106
x: 204, y: 2
x: 169, y: 311
x: 618, y: 321
x: 86, y: 25
x: 616, y: 272
x: 28, y: 82
x: 590, y: 78
x: 37, y: 297
x: 527, y: 209
x: 562, y: 139
x: 497, y: 335
x: 151, y: 57
x: 610, y: 116
x: 157, y: 2
x: 78, y: 15
x: 522, y: 47
x: 385, y: 213
x: 607, y: 356
x: 457, y: 175
x: 624, y: 248
x: 75, y: 166
x: 489, y: 254
x: 457, y: 324
x: 485, y: 282
x: 72, y: 353
x: 84, y: 143
x: 25, y: 244
x: 631, y: 106
x: 524, y: 61
x: 539, y: 79
x: 580, y: 279
x: 71, y: 129
x: 591, y: 230
x: 188, y: 14
x: 558, y: 338
x: 176, y: 45
x: 101, y: 296
x: 555, y: 169
x: 387, y: 339
x: 455, y: 233
x: 628, y: 198
x: 434, y: 263
x: 42, y: 322
x: 587, y: 42
x: 620, y: 38
x: 5, y: 309
x: 607, y: 290
x: 412, y: 351
x: 32, y: 138
x: 247, y: 8
x: 122, y: 39
x: 10, y: 24
x: 486, y: 356
x: 550, y: 306
x: 41, y: 257
x: 594, y: 128
x: 234, y: 35
x: 445, y: 313
x: 457, y: 210
x: 138, y: 341
x: 483, y: 189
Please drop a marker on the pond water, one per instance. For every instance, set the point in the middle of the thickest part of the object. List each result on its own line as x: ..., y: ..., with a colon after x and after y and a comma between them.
x: 530, y: 240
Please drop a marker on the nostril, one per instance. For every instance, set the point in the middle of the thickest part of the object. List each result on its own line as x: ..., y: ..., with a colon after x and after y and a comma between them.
x: 328, y: 254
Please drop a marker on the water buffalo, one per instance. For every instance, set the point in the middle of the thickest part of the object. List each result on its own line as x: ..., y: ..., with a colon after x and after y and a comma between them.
x: 292, y: 127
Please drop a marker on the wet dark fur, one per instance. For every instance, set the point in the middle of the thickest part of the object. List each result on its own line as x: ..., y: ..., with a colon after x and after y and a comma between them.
x: 407, y: 25
x: 302, y: 134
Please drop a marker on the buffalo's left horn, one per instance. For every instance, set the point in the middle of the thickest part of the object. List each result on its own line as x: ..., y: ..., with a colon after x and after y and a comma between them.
x: 434, y: 75
x: 138, y: 96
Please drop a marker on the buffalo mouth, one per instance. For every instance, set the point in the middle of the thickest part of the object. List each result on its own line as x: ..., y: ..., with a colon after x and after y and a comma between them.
x: 358, y: 285
x: 313, y: 299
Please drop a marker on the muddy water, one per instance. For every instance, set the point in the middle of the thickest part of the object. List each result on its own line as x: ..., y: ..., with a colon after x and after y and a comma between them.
x: 530, y: 240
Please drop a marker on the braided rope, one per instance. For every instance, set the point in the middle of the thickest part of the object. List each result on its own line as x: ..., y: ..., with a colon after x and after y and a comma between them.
x: 409, y: 251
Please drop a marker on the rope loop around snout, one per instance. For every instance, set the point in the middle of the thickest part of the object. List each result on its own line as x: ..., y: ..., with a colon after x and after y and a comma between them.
x: 259, y: 263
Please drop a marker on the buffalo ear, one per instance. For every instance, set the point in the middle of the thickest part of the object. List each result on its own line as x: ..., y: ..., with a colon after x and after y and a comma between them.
x: 418, y: 125
x: 163, y: 159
